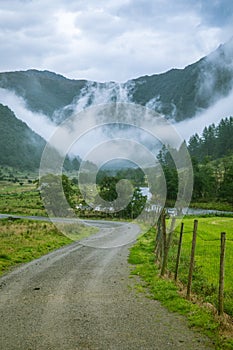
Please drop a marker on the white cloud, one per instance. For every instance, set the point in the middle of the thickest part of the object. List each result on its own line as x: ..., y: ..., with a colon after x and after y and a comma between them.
x: 36, y: 121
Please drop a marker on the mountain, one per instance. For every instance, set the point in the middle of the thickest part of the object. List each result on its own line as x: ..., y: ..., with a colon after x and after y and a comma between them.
x: 20, y: 147
x: 178, y: 93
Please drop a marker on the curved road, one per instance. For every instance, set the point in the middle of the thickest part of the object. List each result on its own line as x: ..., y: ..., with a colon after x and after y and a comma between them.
x: 81, y: 297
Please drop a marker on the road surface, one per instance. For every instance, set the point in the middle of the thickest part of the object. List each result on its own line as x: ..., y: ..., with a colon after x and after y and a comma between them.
x: 81, y: 297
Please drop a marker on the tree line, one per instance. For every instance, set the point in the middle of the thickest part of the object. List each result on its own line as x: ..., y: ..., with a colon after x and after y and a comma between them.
x: 212, y: 159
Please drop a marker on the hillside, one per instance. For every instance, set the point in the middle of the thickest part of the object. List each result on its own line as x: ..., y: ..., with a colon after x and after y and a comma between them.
x: 20, y: 147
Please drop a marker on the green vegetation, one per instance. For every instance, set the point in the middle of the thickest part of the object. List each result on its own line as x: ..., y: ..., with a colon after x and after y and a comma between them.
x: 168, y: 293
x: 24, y: 240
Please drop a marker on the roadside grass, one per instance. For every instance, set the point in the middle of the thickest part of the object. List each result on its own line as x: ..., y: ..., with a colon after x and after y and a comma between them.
x: 24, y: 240
x: 168, y: 293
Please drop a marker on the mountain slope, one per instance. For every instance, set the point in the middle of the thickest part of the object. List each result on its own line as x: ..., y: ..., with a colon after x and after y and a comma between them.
x: 172, y: 93
x: 20, y: 147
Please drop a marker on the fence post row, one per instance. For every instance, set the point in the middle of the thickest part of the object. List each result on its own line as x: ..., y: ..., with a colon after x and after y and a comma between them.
x: 163, y: 242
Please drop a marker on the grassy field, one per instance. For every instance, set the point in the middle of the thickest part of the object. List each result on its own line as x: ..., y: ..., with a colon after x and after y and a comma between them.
x: 20, y: 199
x: 168, y: 293
x: 24, y: 240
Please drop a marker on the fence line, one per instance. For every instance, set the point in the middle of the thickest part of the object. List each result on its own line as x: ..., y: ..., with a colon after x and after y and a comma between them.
x: 205, y: 271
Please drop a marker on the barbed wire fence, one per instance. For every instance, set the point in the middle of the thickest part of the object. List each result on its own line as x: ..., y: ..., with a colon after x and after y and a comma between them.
x: 202, y: 264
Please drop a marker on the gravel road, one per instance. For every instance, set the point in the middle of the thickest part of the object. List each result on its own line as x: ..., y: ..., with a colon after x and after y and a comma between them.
x: 81, y: 297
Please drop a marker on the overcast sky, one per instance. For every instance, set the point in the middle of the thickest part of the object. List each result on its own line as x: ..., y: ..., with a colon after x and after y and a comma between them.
x: 107, y: 40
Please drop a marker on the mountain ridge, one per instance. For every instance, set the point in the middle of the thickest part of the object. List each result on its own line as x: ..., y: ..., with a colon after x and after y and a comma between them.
x: 178, y: 93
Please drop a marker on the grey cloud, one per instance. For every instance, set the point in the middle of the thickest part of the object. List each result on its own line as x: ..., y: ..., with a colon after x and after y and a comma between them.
x: 115, y: 40
x: 100, y: 25
x: 218, y: 12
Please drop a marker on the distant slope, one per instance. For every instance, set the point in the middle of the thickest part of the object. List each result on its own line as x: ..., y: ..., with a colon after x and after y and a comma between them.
x: 20, y: 147
x: 174, y: 92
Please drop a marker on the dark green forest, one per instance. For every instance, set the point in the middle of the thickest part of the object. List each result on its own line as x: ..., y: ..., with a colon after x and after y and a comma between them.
x: 212, y: 159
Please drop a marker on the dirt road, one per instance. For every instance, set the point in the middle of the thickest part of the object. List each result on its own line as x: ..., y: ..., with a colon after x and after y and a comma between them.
x: 81, y: 297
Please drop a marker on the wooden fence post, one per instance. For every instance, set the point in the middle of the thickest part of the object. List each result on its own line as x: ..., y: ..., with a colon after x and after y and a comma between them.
x: 164, y: 242
x: 171, y: 230
x: 191, y: 267
x: 179, y: 251
x: 221, y: 275
x: 158, y: 240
